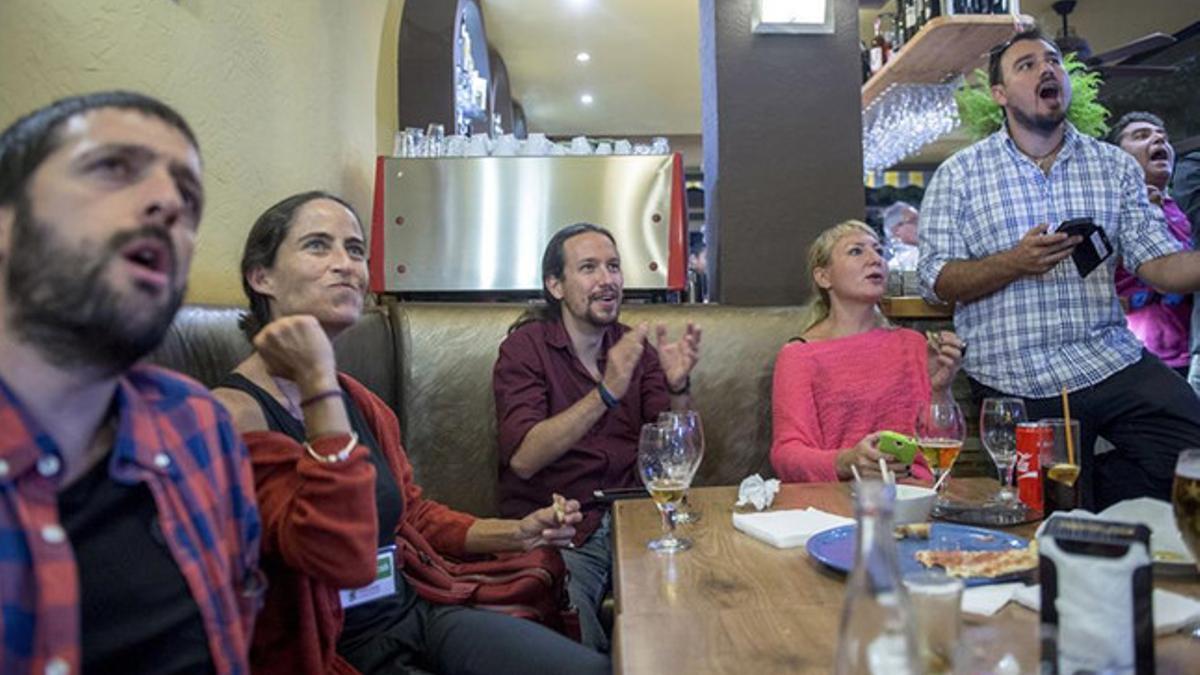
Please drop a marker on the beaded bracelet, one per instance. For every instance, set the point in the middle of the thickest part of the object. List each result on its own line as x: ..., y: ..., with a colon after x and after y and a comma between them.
x: 320, y: 397
x: 339, y: 456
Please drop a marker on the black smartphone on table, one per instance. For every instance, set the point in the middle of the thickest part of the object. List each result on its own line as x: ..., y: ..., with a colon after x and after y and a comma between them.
x: 1093, y: 250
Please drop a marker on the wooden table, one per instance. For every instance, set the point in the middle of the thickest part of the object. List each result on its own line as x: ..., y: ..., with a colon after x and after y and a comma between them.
x: 733, y: 604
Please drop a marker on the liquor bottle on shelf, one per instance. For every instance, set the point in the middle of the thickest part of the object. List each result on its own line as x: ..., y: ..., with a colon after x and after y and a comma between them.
x: 912, y: 17
x: 930, y: 9
x: 899, y: 34
x: 880, y: 49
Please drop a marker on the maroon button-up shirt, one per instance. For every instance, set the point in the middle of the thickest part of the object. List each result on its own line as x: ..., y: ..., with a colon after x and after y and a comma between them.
x: 537, y: 376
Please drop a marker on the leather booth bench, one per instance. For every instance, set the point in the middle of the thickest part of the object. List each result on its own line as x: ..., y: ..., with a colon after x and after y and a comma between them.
x: 432, y: 363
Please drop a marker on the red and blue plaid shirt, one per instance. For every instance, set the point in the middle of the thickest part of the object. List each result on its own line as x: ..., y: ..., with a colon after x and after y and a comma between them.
x: 175, y: 438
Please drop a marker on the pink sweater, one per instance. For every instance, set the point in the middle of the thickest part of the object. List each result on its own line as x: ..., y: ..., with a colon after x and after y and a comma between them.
x: 829, y: 394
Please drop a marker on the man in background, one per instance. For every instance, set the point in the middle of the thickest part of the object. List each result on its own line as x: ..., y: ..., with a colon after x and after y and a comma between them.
x: 1160, y: 320
x: 900, y: 222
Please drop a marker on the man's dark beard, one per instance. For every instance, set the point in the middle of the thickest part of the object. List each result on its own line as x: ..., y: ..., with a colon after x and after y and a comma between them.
x: 59, y: 303
x: 1040, y: 124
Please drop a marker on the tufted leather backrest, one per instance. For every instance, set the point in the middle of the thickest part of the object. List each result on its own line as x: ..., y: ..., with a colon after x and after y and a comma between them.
x: 432, y: 364
x: 205, y: 344
x: 449, y: 417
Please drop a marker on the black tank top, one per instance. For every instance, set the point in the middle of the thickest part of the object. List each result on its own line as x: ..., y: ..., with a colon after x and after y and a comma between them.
x: 362, y: 622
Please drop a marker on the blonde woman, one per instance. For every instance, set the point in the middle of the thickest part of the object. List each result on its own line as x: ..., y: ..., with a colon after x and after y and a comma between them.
x: 850, y: 375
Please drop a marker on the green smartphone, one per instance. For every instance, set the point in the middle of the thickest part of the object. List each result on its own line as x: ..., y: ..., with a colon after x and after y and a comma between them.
x: 898, y: 445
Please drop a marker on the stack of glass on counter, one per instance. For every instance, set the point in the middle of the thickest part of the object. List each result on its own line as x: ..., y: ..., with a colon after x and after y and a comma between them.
x: 433, y: 142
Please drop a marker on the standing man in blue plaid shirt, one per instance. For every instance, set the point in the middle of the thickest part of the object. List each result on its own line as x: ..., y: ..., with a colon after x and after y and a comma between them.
x: 1034, y: 326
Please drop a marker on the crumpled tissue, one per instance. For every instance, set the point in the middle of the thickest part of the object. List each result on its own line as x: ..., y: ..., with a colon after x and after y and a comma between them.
x: 754, y: 490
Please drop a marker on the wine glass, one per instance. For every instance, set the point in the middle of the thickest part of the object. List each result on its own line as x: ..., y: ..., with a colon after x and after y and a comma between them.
x: 998, y: 419
x: 1185, y: 497
x: 940, y: 433
x: 687, y: 429
x: 666, y: 467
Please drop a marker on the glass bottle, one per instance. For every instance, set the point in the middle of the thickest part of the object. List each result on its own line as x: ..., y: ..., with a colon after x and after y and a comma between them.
x: 899, y: 31
x: 912, y: 18
x: 931, y: 10
x: 879, y: 47
x: 877, y: 634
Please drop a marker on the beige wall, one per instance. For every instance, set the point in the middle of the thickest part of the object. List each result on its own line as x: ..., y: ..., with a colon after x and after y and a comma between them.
x: 285, y: 95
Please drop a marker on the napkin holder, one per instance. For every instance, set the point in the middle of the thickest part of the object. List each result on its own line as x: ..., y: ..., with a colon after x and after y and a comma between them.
x: 1096, y: 607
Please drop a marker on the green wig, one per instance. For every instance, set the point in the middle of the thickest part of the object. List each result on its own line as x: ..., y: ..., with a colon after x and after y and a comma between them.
x: 982, y: 116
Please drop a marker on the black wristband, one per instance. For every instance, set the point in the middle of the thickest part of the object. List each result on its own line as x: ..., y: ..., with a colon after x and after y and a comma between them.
x: 687, y: 386
x: 606, y: 396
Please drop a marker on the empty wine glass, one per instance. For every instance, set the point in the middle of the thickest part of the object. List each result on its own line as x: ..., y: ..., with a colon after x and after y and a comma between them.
x: 940, y: 433
x: 687, y: 429
x: 666, y: 467
x: 998, y: 419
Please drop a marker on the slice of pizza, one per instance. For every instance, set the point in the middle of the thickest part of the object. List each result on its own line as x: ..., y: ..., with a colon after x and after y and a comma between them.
x: 988, y: 564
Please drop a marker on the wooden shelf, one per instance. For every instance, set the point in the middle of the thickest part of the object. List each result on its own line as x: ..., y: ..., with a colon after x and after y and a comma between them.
x: 944, y: 47
x: 914, y: 307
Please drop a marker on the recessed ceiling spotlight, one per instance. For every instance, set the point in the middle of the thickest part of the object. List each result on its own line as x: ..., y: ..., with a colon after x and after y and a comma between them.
x: 586, y: 99
x: 583, y: 57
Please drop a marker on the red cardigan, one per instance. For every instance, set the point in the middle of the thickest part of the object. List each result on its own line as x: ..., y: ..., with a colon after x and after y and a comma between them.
x: 320, y: 535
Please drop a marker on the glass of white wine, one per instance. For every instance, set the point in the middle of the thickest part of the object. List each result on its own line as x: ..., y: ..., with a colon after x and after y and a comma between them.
x: 686, y: 428
x: 666, y: 467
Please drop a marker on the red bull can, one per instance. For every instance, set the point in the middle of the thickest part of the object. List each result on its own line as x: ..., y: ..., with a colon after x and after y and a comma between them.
x: 1032, y: 439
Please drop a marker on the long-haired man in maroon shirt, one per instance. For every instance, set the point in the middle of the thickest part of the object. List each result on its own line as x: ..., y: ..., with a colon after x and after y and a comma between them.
x: 573, y: 387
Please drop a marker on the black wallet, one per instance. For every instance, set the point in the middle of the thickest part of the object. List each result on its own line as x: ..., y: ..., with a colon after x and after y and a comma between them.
x: 1093, y: 250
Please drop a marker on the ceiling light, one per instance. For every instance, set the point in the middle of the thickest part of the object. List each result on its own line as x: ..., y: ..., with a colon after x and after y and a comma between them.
x: 792, y: 16
x: 586, y: 99
x: 583, y: 57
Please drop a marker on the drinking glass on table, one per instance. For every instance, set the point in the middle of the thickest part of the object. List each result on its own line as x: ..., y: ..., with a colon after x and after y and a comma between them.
x: 686, y: 428
x: 1185, y: 497
x: 936, y: 599
x: 666, y: 467
x: 940, y: 433
x: 998, y: 419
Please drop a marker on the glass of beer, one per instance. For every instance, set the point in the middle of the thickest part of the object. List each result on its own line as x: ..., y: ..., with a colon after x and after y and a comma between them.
x: 666, y: 467
x: 686, y: 428
x: 1060, y: 485
x: 940, y: 433
x: 1185, y: 497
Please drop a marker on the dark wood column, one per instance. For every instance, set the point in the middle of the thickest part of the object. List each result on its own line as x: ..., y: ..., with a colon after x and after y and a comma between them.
x: 782, y: 124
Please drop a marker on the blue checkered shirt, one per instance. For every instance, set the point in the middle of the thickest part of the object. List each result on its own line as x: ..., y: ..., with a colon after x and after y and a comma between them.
x: 1040, y: 333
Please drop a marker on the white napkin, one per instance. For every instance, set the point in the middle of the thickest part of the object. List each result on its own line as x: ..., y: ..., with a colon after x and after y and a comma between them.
x: 1154, y: 513
x: 788, y: 528
x: 1172, y: 611
x: 754, y: 490
x: 1030, y: 597
x: 987, y: 600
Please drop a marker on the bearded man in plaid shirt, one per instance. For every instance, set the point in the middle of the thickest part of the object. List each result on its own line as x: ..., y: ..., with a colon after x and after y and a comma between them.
x: 1033, y: 325
x: 128, y: 529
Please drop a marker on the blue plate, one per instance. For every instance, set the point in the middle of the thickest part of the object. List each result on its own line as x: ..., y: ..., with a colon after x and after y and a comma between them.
x: 835, y: 547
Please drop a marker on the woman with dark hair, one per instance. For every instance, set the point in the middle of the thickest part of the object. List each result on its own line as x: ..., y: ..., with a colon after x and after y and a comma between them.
x: 850, y: 375
x: 334, y: 484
